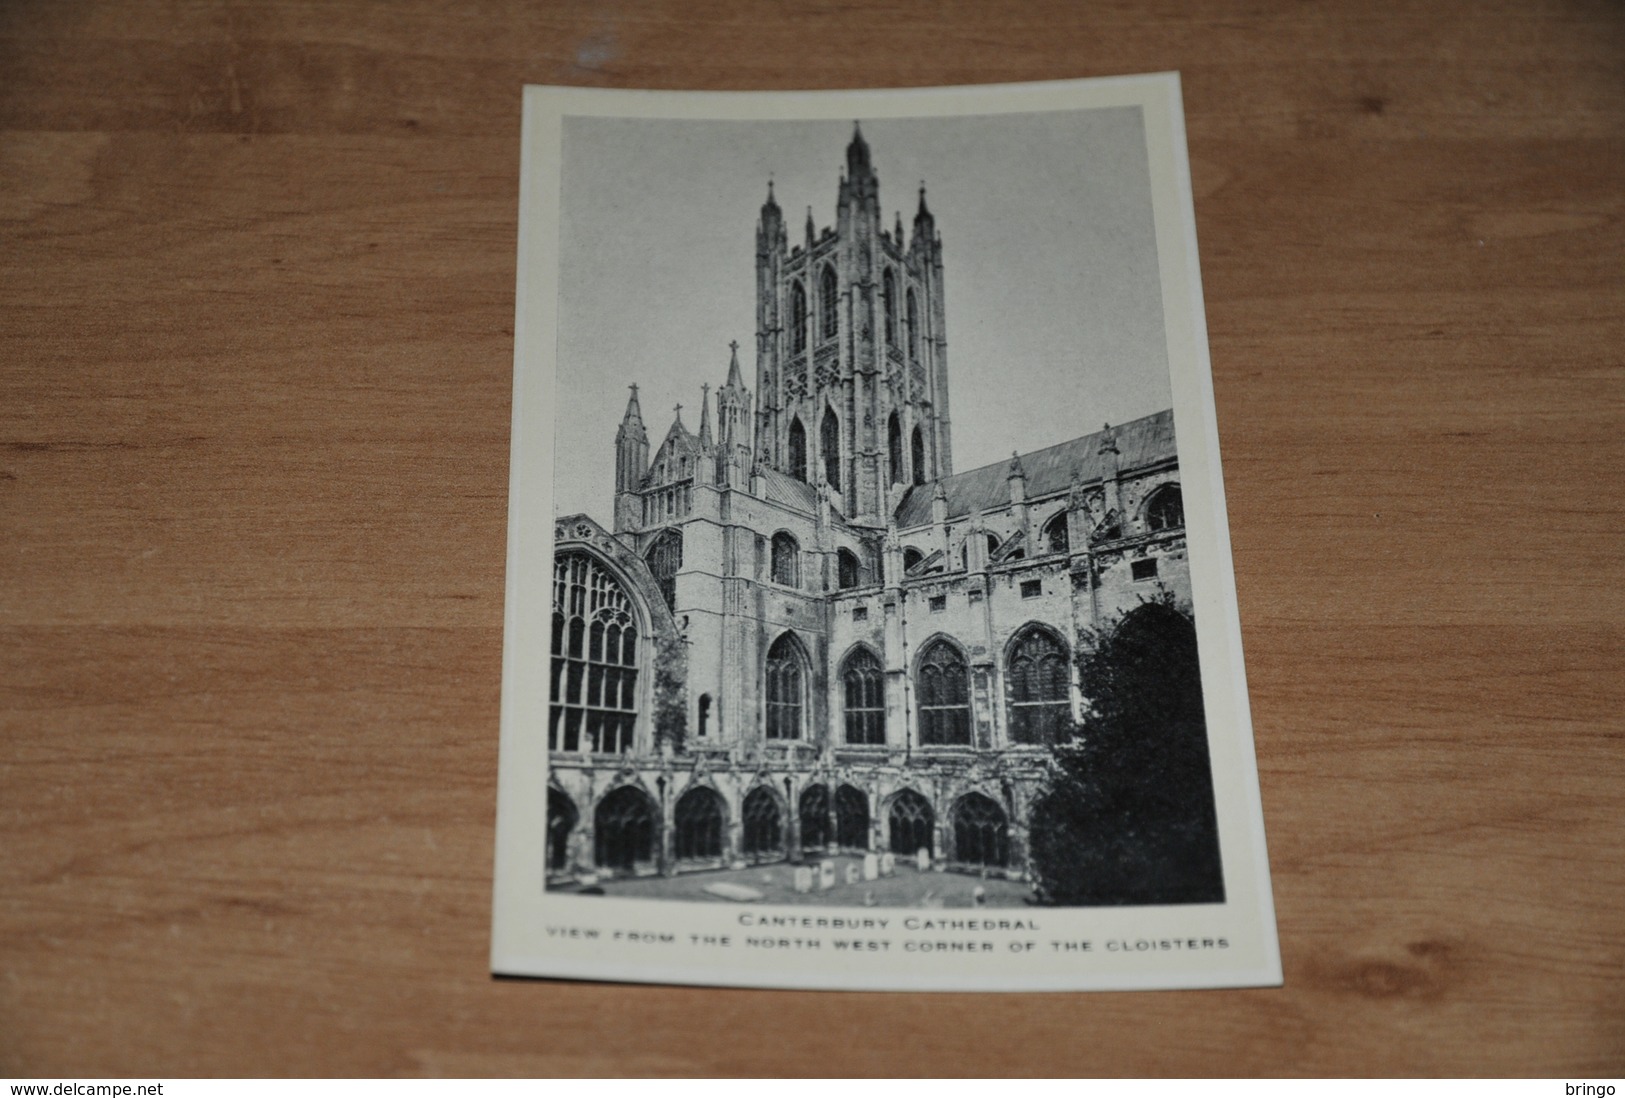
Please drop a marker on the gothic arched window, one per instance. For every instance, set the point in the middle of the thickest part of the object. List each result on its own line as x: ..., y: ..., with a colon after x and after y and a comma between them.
x: 798, y: 450
x: 829, y: 444
x: 1039, y: 678
x: 562, y: 818
x: 851, y: 818
x: 814, y: 811
x: 1165, y: 510
x: 762, y: 838
x: 828, y: 303
x: 705, y: 715
x: 865, y: 690
x: 1056, y: 537
x: 786, y: 675
x: 943, y: 685
x: 595, y: 659
x: 849, y: 570
x: 911, y: 824
x: 981, y: 833
x: 894, y: 448
x: 888, y: 297
x: 798, y: 318
x: 786, y: 559
x: 919, y: 456
x: 624, y: 830
x: 913, y: 327
x: 664, y: 558
x: 698, y: 821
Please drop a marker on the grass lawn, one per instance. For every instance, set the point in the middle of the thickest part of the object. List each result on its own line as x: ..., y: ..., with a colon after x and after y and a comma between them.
x: 908, y: 888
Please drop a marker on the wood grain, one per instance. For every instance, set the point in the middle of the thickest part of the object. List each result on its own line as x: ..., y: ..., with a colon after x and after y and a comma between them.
x: 255, y: 347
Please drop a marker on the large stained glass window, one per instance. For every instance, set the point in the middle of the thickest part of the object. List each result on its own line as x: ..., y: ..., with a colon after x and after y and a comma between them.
x: 786, y: 675
x: 865, y: 689
x: 943, y: 685
x: 1040, y: 680
x: 595, y: 659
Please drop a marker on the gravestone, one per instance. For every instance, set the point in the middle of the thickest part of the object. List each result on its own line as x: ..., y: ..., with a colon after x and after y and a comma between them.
x: 922, y: 859
x: 804, y: 878
x: 888, y: 864
x: 826, y: 875
x: 854, y: 873
x: 871, y: 867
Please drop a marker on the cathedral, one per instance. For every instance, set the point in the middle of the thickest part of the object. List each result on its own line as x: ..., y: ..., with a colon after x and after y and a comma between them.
x: 801, y: 632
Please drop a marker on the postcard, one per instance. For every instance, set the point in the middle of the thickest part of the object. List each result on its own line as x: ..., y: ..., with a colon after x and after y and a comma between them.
x: 870, y: 617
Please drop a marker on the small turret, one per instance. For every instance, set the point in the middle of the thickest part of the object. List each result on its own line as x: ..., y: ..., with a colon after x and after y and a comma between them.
x: 705, y: 419
x: 770, y: 233
x: 857, y: 153
x: 631, y: 463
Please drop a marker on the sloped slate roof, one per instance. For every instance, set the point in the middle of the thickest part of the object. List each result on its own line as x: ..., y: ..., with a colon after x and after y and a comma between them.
x: 1140, y: 442
x: 783, y: 488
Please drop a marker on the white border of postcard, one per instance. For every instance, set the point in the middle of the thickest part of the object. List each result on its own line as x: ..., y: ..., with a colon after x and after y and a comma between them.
x: 538, y: 933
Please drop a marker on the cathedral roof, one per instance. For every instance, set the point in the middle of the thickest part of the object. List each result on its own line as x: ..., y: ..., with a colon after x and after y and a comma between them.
x: 786, y: 489
x: 1140, y: 442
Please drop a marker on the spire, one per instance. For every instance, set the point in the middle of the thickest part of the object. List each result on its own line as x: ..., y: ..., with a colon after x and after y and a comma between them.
x: 924, y: 211
x: 811, y: 230
x: 705, y: 417
x: 857, y: 153
x: 734, y: 379
x: 771, y: 203
x: 632, y: 422
x: 1015, y: 467
x: 899, y: 229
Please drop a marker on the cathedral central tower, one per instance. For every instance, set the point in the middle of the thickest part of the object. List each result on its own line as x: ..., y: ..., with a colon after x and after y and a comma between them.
x: 851, y: 353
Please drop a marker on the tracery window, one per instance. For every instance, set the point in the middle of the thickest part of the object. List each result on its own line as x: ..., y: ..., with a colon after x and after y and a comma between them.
x: 829, y: 444
x: 798, y: 450
x: 785, y: 695
x: 865, y: 689
x: 851, y: 818
x: 828, y: 303
x: 1166, y: 509
x: 762, y: 836
x: 798, y: 318
x: 595, y: 659
x: 786, y: 559
x: 943, y: 683
x: 919, y: 456
x: 913, y: 328
x: 894, y: 448
x: 698, y: 821
x: 981, y: 833
x: 665, y: 557
x: 888, y: 295
x: 561, y: 820
x: 814, y: 813
x: 911, y: 823
x: 1056, y: 537
x: 1040, y: 682
x: 624, y: 830
x: 849, y: 570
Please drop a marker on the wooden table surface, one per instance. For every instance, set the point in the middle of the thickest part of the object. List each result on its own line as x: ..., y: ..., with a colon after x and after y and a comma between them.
x: 256, y: 303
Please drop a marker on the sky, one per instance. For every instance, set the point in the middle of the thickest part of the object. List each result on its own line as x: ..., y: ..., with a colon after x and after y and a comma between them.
x: 1053, y: 299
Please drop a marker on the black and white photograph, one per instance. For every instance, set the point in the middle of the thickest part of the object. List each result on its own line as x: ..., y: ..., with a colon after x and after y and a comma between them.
x: 871, y: 581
